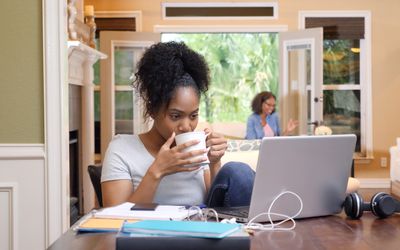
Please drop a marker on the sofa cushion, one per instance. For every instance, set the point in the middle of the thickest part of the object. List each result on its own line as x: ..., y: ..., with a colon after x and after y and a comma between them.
x: 249, y: 157
x: 243, y: 145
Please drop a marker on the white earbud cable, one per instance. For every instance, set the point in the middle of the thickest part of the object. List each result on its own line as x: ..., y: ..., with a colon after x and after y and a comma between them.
x: 275, y: 226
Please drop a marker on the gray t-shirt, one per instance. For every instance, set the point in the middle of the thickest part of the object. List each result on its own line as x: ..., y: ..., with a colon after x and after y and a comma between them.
x: 128, y: 159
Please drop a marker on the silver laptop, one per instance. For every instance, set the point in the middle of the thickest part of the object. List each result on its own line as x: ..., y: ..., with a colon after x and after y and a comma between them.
x: 317, y: 168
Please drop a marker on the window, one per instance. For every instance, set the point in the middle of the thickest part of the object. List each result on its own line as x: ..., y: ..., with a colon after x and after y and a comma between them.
x: 341, y: 87
x: 241, y: 65
x: 116, y: 21
x: 346, y: 78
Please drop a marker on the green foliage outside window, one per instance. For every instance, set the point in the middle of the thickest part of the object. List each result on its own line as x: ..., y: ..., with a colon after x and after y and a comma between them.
x: 341, y: 66
x: 342, y: 107
x: 241, y: 65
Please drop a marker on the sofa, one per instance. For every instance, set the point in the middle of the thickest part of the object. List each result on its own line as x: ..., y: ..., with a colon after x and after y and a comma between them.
x: 247, y: 151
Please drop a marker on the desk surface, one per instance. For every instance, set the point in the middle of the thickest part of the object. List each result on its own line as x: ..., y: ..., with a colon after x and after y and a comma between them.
x: 331, y: 232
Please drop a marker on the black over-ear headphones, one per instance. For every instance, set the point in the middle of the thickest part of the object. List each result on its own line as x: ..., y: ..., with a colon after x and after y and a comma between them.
x: 381, y: 205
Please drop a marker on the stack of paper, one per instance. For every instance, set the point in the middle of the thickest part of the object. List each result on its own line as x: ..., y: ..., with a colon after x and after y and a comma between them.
x: 181, y: 228
x: 162, y: 212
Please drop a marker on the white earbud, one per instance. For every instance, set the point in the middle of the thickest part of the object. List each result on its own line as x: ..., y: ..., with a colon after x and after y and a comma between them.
x: 229, y: 221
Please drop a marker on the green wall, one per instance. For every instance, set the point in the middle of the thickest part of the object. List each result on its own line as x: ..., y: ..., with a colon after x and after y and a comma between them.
x: 21, y: 72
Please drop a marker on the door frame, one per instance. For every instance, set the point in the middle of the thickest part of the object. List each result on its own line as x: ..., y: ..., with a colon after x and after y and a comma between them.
x: 311, y: 38
x: 366, y: 79
x: 109, y: 40
x: 55, y: 69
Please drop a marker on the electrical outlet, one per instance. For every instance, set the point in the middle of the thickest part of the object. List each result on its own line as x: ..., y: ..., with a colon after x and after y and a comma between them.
x: 383, y: 162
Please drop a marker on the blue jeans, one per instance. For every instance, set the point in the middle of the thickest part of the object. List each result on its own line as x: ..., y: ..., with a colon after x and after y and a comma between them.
x: 232, y: 186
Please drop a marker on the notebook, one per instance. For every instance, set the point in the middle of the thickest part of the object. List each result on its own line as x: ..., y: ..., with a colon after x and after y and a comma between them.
x: 181, y: 228
x: 317, y: 168
x: 100, y: 225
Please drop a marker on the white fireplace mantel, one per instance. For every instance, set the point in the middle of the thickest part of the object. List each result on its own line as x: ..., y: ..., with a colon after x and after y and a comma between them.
x: 80, y: 72
x: 80, y: 61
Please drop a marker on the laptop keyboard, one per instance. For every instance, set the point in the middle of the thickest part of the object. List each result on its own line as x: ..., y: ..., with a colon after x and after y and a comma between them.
x: 234, y: 211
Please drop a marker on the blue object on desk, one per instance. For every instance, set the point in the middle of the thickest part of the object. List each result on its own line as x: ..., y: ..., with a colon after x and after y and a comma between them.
x: 181, y: 228
x: 201, y: 206
x: 128, y: 241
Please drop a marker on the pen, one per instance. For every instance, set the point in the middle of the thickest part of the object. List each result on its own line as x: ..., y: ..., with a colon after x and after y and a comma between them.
x: 201, y: 206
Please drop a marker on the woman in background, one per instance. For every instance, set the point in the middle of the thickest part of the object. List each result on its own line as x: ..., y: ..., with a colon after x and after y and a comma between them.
x: 264, y: 122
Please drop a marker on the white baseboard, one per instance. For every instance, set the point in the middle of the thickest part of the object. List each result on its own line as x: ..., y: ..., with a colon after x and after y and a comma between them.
x: 374, y: 182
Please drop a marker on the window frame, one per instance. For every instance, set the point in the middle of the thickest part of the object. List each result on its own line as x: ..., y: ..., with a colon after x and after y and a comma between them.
x: 365, y: 85
x: 137, y: 15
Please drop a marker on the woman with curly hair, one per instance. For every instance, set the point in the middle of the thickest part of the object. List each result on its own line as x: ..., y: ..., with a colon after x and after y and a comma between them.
x: 149, y: 167
x: 264, y: 122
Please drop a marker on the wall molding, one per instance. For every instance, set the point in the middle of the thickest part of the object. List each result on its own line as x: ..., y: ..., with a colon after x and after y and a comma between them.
x: 11, y: 189
x: 21, y: 151
x: 374, y: 182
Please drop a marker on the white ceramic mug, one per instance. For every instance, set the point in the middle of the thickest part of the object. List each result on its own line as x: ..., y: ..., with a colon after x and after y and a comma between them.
x: 190, y: 136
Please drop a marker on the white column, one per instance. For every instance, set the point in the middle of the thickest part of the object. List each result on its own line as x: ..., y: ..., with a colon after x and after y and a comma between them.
x: 87, y: 138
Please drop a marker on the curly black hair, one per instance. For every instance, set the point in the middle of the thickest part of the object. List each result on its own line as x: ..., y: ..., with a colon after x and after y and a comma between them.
x: 256, y: 104
x: 163, y: 68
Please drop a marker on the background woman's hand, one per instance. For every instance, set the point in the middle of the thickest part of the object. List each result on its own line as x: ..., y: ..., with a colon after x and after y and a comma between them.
x: 291, y: 126
x: 217, y: 145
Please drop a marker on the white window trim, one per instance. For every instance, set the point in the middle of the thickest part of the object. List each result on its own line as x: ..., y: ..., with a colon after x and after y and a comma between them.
x: 365, y: 79
x: 139, y: 124
x: 137, y: 14
x: 137, y: 47
x: 221, y: 4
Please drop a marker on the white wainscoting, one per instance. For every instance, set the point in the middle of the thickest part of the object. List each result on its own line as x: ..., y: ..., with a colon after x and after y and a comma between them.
x: 22, y: 197
x: 8, y: 215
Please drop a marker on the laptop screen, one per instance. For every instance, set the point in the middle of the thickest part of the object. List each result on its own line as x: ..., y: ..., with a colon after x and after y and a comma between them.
x: 316, y: 168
